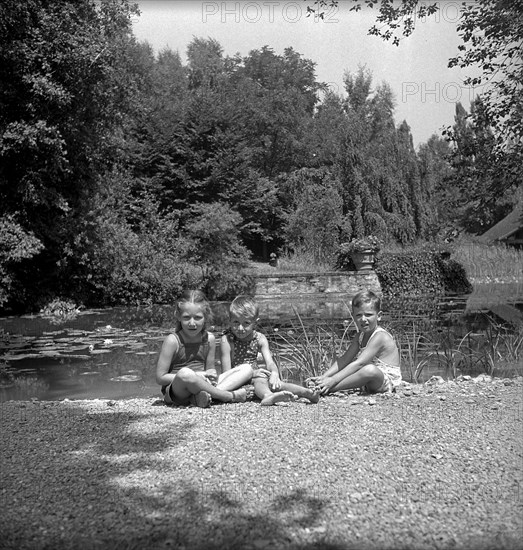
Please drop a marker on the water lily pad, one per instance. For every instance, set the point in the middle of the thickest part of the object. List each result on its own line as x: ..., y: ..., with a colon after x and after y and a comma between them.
x: 50, y: 353
x: 10, y: 357
x: 76, y: 348
x: 127, y: 378
x: 16, y: 345
x: 76, y: 332
x: 98, y: 351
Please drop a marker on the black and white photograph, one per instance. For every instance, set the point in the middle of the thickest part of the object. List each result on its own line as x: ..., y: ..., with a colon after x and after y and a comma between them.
x: 261, y: 275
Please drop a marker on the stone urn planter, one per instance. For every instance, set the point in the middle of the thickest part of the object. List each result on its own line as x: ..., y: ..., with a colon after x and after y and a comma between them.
x: 363, y: 260
x: 359, y: 253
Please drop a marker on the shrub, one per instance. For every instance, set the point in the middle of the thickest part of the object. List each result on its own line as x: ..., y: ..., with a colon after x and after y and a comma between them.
x: 419, y: 272
x: 214, y: 246
x: 125, y: 267
x: 16, y: 245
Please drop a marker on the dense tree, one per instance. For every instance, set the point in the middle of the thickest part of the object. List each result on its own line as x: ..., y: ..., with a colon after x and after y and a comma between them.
x: 442, y: 198
x: 64, y: 89
x: 483, y: 189
x: 126, y: 175
x: 314, y: 214
x: 492, y: 34
x: 216, y: 248
x: 16, y: 245
x: 492, y: 40
x: 128, y: 251
x: 377, y: 165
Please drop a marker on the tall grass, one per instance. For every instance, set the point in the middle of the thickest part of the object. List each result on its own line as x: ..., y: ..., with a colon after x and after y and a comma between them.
x: 489, y: 263
x: 304, y: 350
x: 497, y: 352
x: 299, y: 261
x: 415, y: 352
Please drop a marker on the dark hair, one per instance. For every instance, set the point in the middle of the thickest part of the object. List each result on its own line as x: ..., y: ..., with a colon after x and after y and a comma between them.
x: 244, y: 306
x: 367, y: 297
x: 193, y: 297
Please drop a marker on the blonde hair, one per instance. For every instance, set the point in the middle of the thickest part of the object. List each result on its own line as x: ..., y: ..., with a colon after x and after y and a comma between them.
x: 196, y: 297
x: 244, y: 306
x: 367, y: 297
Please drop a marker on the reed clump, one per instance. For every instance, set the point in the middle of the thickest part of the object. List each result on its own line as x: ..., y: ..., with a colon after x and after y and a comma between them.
x: 303, y: 350
x: 489, y: 262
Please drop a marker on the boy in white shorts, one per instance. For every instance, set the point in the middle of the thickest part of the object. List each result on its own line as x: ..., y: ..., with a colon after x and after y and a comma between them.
x: 372, y: 360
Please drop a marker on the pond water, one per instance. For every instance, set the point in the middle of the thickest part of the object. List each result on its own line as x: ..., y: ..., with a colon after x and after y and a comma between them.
x: 112, y: 353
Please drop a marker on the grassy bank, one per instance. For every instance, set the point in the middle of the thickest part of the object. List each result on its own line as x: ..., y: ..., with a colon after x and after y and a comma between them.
x: 489, y: 263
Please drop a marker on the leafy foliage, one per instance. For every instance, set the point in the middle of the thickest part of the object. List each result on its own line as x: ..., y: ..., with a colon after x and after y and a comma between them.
x: 482, y: 188
x: 216, y: 249
x: 492, y: 34
x: 418, y: 273
x: 61, y: 67
x: 16, y: 245
x: 126, y: 175
x: 314, y: 218
x: 129, y: 254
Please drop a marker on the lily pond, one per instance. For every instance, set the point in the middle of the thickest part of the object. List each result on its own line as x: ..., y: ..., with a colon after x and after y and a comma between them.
x: 111, y: 353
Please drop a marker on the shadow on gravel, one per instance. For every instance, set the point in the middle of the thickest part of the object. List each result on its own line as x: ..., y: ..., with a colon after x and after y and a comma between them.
x: 92, y: 480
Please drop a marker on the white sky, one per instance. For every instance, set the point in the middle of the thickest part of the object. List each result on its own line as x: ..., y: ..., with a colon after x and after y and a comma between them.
x: 425, y: 89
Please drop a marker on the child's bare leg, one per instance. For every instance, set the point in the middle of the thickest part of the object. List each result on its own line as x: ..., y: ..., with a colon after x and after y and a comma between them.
x: 267, y: 396
x: 235, y: 378
x: 187, y: 383
x: 312, y: 395
x: 369, y: 376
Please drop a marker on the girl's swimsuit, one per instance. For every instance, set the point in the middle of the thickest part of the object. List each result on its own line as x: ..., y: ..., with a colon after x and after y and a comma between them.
x: 391, y: 373
x: 191, y: 355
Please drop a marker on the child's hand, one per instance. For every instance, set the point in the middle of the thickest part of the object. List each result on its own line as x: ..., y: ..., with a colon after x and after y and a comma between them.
x: 274, y: 381
x: 211, y: 376
x: 311, y: 382
x: 325, y: 384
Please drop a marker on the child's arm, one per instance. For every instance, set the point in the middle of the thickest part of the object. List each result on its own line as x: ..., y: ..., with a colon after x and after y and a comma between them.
x: 169, y: 348
x: 339, y: 363
x: 210, y: 366
x: 225, y: 353
x: 274, y: 378
x: 373, y: 349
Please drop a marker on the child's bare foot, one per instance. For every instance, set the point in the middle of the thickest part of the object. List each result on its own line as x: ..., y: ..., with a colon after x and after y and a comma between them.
x: 202, y: 399
x: 239, y: 396
x: 278, y: 397
x: 313, y: 395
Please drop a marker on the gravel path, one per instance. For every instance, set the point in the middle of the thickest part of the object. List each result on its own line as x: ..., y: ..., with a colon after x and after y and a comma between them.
x: 435, y: 466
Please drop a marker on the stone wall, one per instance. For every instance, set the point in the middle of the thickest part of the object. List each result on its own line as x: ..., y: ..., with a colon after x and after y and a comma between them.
x: 320, y: 296
x: 285, y: 284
